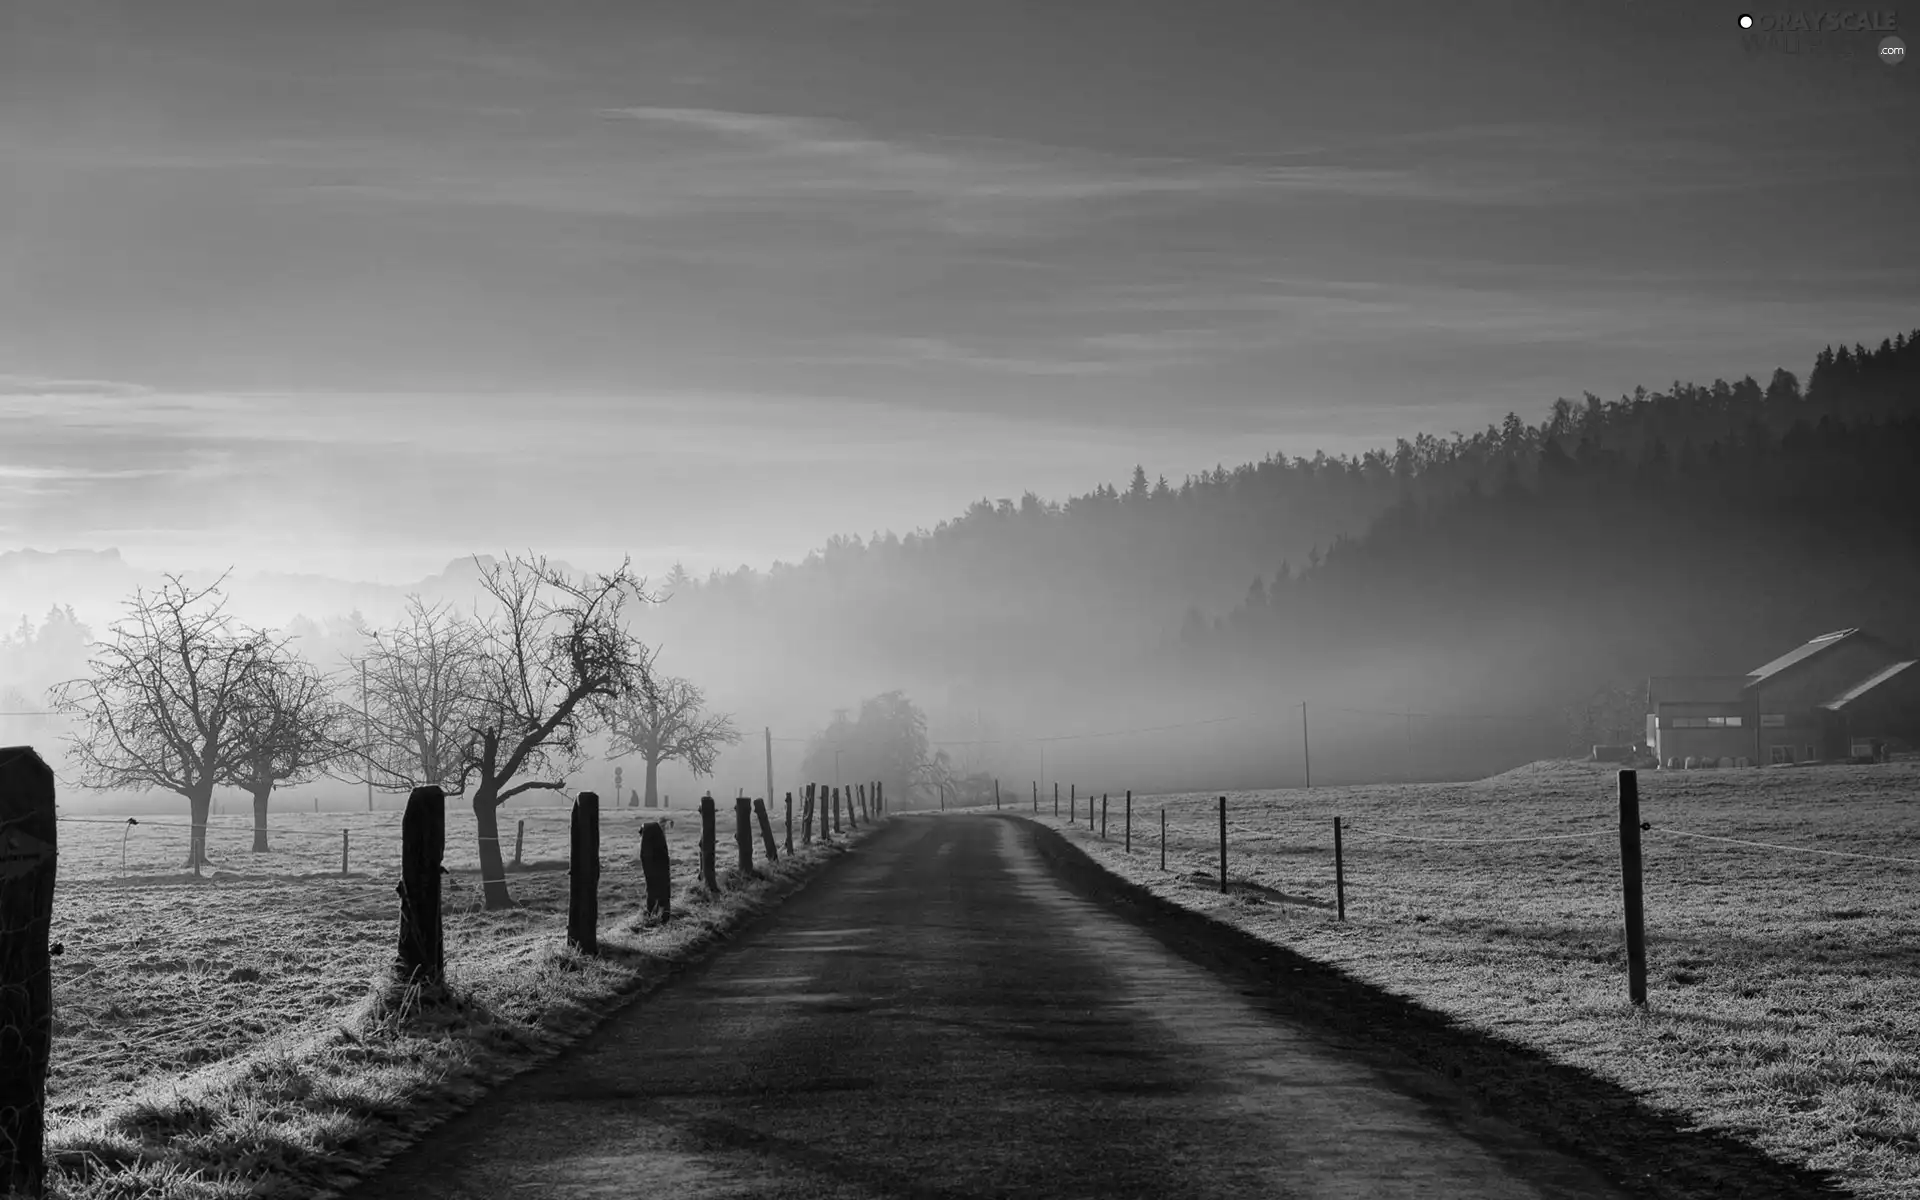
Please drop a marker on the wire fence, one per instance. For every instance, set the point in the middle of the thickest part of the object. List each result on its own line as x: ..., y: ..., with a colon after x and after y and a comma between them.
x: 349, y: 844
x: 1565, y: 853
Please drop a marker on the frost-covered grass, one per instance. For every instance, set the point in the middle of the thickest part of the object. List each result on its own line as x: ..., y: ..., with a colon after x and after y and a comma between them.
x: 1781, y: 986
x: 234, y: 1035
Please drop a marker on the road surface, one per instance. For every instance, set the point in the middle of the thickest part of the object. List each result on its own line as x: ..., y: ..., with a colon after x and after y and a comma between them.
x: 935, y: 1016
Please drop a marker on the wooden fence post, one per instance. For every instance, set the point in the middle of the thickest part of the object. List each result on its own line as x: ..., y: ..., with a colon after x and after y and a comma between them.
x: 879, y: 790
x: 708, y: 845
x: 1073, y: 804
x: 743, y: 831
x: 1163, y: 839
x: 766, y: 830
x: 28, y: 838
x: 864, y: 814
x: 1036, y: 797
x: 1630, y: 887
x: 1056, y: 800
x: 583, y: 870
x: 1103, y: 817
x: 1223, y: 845
x: 1339, y: 874
x: 836, y: 810
x: 343, y: 854
x: 789, y: 823
x: 826, y: 799
x: 1129, y: 818
x: 423, y: 848
x: 996, y: 795
x: 806, y: 817
x: 519, y: 840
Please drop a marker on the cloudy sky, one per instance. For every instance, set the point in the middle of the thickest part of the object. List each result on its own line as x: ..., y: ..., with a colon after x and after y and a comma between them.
x: 358, y: 287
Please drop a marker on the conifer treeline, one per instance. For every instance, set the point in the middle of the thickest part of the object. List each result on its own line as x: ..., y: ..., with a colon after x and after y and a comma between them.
x: 1702, y: 525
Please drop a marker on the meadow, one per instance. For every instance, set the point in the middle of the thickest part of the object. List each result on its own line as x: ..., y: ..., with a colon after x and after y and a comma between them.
x: 1781, y: 985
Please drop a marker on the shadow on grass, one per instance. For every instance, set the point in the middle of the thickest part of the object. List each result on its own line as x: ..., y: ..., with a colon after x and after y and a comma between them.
x: 1645, y: 1151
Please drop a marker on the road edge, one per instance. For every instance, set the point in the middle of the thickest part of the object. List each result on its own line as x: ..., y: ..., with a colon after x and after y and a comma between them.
x: 452, y: 1060
x: 1642, y: 1150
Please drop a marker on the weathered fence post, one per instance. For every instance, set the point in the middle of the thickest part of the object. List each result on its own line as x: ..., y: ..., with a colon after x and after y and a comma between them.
x: 1103, y: 817
x: 27, y: 862
x: 1339, y: 874
x: 1073, y: 801
x: 1036, y: 797
x: 1129, y: 820
x: 707, y: 843
x: 826, y: 798
x: 343, y: 853
x: 836, y: 810
x: 1163, y: 839
x: 806, y: 817
x: 766, y: 830
x: 743, y: 831
x: 1223, y: 845
x: 656, y: 867
x: 880, y: 794
x: 789, y: 822
x: 996, y: 795
x: 1630, y: 887
x: 519, y: 839
x: 865, y: 814
x: 583, y: 870
x: 1056, y: 800
x: 852, y: 822
x: 423, y: 847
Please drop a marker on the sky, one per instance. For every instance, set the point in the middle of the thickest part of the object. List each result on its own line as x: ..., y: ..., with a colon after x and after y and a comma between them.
x: 358, y: 288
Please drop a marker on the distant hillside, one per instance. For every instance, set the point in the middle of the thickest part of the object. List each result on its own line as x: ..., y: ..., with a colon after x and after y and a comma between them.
x: 1610, y: 550
x: 1096, y: 586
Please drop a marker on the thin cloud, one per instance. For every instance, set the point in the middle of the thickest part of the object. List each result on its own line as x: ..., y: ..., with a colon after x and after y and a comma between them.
x: 984, y: 171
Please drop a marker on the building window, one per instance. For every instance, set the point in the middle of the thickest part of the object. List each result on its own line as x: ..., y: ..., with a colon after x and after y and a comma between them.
x: 1773, y: 720
x: 1723, y: 722
x: 1781, y: 754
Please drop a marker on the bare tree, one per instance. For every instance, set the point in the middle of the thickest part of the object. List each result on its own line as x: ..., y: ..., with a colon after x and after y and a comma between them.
x: 559, y: 658
x: 669, y: 723
x: 165, y: 703
x: 425, y: 678
x: 290, y: 727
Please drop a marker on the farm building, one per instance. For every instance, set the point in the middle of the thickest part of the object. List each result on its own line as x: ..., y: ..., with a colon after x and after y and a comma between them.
x: 1843, y: 695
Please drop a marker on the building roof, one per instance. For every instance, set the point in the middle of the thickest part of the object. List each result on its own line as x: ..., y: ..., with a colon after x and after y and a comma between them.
x: 1696, y: 689
x: 1800, y: 654
x: 1868, y: 684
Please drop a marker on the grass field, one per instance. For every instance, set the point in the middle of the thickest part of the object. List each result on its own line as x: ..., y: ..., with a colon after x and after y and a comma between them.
x: 1782, y: 986
x: 212, y: 1032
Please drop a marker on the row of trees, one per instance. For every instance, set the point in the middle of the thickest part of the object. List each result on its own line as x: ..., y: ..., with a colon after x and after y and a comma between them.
x: 490, y: 704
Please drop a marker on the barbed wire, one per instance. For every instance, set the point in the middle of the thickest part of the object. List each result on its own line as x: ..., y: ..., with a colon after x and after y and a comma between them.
x: 1363, y: 831
x: 1708, y: 837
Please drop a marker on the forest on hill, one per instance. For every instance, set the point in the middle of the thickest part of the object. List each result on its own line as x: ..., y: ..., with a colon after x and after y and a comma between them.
x: 1523, y: 569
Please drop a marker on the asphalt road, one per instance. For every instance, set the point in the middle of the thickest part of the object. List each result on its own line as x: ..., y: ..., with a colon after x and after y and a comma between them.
x: 935, y: 1016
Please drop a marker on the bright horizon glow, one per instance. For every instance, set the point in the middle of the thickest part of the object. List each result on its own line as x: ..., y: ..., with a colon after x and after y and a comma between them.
x: 293, y: 292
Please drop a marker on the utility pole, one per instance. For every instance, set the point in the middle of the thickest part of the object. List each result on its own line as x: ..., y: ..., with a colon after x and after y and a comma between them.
x: 366, y: 729
x: 1306, y: 753
x: 1409, y: 759
x: 769, y: 764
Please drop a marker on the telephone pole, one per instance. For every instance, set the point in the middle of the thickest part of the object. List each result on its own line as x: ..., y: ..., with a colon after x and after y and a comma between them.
x: 366, y: 729
x: 1306, y: 752
x: 769, y: 764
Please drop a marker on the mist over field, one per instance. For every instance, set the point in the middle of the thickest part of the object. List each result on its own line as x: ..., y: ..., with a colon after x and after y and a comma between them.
x: 1443, y: 608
